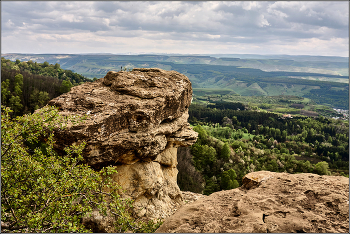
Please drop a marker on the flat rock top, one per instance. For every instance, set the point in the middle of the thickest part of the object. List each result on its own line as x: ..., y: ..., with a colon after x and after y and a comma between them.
x: 152, y: 93
x: 269, y: 202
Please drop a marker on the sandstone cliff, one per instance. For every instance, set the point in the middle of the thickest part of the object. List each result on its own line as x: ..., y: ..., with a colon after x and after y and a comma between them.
x: 269, y: 202
x: 135, y: 121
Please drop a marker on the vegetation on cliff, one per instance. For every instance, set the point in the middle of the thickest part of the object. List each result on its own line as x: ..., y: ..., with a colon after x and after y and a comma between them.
x: 44, y: 192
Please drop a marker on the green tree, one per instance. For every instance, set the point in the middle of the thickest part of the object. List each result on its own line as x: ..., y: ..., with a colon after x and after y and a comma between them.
x: 330, y: 140
x: 225, y: 152
x: 202, y: 134
x: 203, y: 155
x: 209, y: 154
x: 45, y: 64
x: 44, y: 192
x: 211, y: 186
x: 226, y: 182
x: 66, y: 86
x: 284, y: 135
x: 18, y: 85
x: 19, y: 79
x: 15, y: 104
x: 235, y: 184
x: 321, y: 168
x: 38, y: 99
x: 5, y: 91
x: 232, y: 174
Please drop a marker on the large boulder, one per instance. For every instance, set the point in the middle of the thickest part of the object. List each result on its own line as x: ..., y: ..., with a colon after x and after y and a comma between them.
x: 269, y: 202
x: 135, y: 121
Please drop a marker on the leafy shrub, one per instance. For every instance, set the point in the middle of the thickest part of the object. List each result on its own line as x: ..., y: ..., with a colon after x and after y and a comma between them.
x: 44, y: 192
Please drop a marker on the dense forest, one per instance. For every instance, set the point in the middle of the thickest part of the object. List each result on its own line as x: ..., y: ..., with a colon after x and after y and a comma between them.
x: 27, y: 86
x: 233, y: 142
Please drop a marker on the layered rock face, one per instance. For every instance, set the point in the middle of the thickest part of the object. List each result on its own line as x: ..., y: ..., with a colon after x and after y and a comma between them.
x: 135, y: 121
x: 269, y: 202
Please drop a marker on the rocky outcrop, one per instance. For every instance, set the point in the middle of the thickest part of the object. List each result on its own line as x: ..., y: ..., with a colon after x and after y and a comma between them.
x: 135, y: 121
x: 269, y: 202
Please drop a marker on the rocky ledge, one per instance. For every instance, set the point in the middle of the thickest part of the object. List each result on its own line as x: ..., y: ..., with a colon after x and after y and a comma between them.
x: 269, y: 202
x: 135, y: 121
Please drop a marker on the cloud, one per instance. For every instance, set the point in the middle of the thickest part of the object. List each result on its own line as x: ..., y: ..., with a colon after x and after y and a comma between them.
x: 232, y: 25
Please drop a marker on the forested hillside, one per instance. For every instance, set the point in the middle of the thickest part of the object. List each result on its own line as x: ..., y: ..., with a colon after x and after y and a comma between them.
x: 27, y: 86
x: 235, y: 142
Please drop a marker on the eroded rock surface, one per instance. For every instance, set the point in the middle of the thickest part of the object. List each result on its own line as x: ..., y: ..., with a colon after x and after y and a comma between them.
x: 269, y: 202
x: 135, y: 121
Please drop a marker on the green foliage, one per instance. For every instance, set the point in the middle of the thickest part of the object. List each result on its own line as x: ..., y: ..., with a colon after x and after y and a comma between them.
x: 15, y: 104
x: 232, y: 174
x: 25, y: 79
x: 202, y: 134
x: 235, y: 184
x: 225, y: 152
x: 321, y: 168
x: 211, y: 186
x: 279, y: 144
x: 45, y: 64
x: 228, y: 180
x: 44, y: 192
x: 5, y: 91
x: 66, y: 86
x: 38, y: 99
x: 203, y: 155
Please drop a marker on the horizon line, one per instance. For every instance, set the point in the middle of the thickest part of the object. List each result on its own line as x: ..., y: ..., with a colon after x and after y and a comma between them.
x: 196, y: 54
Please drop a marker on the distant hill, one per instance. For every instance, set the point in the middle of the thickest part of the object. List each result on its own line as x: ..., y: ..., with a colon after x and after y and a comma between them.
x: 321, y: 78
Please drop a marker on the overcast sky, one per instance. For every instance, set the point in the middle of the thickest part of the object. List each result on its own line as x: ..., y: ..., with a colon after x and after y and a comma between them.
x: 229, y: 27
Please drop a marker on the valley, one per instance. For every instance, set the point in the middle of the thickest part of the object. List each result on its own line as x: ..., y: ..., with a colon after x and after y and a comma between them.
x: 323, y: 79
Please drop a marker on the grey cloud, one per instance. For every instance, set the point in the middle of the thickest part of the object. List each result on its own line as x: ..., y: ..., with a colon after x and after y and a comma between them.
x: 107, y: 7
x: 139, y: 15
x: 235, y: 22
x: 89, y: 25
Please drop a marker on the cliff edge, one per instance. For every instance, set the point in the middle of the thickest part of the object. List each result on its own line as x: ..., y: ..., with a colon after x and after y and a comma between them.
x: 269, y: 202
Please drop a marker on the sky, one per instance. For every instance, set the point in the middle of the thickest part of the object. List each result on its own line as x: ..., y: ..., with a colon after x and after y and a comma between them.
x: 180, y: 27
